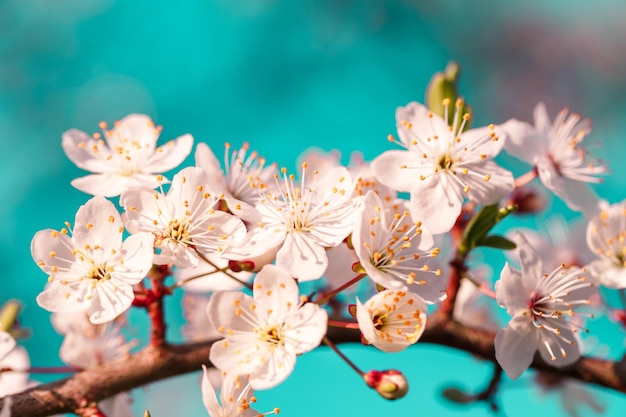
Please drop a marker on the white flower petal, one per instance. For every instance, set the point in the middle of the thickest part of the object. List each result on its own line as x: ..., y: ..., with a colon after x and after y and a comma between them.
x: 522, y: 141
x: 437, y: 202
x: 492, y: 184
x: 302, y: 257
x: 391, y: 168
x: 109, y: 301
x: 565, y: 353
x: 78, y: 147
x: 516, y: 345
x: 275, y: 290
x: 209, y: 398
x: 511, y: 290
x: 97, y: 222
x: 170, y: 155
x: 60, y: 298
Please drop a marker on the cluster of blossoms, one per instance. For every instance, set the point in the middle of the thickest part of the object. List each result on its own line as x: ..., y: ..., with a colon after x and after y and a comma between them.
x: 249, y: 233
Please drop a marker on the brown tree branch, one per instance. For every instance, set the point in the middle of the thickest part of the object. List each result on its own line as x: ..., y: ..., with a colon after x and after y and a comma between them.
x: 156, y: 363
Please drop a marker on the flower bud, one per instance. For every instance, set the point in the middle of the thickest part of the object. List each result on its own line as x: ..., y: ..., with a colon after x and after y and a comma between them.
x: 390, y: 384
x: 239, y: 266
x: 528, y: 200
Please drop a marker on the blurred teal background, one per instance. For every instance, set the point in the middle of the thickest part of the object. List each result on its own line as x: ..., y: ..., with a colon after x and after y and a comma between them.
x: 286, y: 75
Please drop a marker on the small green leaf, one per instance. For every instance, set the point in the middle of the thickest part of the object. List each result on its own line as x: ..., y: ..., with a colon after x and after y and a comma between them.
x: 497, y: 242
x: 482, y: 223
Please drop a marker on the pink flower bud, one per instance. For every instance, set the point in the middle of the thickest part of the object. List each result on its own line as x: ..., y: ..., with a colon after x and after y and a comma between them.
x: 528, y: 200
x: 390, y: 384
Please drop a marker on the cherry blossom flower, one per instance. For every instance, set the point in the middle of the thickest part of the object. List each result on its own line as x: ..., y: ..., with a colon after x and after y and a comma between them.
x: 126, y: 157
x: 86, y: 345
x: 264, y: 333
x: 241, y: 169
x: 184, y: 221
x: 392, y: 250
x: 606, y: 237
x: 392, y: 320
x: 554, y: 149
x: 542, y: 306
x: 92, y: 270
x: 441, y: 165
x: 301, y: 222
x: 236, y: 397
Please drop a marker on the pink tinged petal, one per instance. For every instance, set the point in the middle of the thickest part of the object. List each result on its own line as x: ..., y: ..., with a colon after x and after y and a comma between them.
x: 274, y: 369
x: 209, y: 398
x: 79, y: 148
x: 516, y: 345
x: 511, y: 291
x: 243, y: 210
x: 523, y: 141
x: 306, y: 328
x: 98, y: 223
x: 7, y: 343
x: 276, y: 293
x: 437, y: 202
x: 110, y: 299
x: 233, y: 314
x: 205, y: 159
x: 144, y: 206
x: 429, y: 286
x: 399, y: 170
x: 302, y: 257
x: 565, y: 347
x: 65, y: 298
x: 491, y: 184
x: 170, y: 155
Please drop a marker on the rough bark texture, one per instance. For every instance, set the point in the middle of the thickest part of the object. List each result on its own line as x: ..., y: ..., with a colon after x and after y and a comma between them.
x: 156, y: 363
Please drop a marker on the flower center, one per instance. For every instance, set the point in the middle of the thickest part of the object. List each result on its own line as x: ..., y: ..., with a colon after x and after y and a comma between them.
x: 100, y: 273
x: 274, y: 335
x: 177, y: 230
x: 445, y: 161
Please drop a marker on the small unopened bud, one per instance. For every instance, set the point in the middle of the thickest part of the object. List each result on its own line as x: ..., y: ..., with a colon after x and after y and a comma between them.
x: 528, y: 200
x: 390, y: 384
x: 146, y: 414
x: 240, y: 266
x: 8, y: 314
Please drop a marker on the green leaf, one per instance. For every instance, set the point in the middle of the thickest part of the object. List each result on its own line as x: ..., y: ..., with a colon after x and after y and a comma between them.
x: 497, y: 242
x: 482, y: 223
